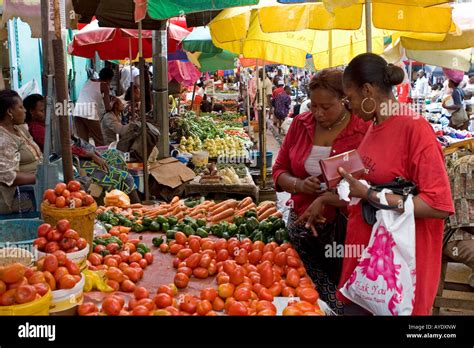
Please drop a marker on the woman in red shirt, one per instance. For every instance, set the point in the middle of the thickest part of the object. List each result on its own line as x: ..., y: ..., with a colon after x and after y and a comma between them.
x: 329, y: 129
x: 398, y: 143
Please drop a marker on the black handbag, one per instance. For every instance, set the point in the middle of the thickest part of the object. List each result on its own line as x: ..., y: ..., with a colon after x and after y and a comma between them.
x: 399, y: 186
x: 330, y: 235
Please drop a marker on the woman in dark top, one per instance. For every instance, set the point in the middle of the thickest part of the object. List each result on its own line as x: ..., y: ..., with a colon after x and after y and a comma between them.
x: 35, y: 117
x: 459, y: 119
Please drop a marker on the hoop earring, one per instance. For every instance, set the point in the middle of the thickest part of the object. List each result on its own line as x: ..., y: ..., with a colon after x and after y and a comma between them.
x: 363, y: 108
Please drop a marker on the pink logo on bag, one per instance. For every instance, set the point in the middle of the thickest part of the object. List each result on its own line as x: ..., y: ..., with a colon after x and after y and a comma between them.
x: 381, y: 260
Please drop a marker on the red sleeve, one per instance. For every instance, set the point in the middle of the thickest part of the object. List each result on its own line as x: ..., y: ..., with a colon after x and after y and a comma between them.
x: 37, y: 132
x: 427, y: 168
x: 78, y: 151
x: 283, y: 161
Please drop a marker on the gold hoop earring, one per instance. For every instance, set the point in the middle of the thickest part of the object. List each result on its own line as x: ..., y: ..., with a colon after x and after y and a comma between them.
x: 363, y: 108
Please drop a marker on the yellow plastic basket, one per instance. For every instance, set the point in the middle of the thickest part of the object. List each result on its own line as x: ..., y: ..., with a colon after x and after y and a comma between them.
x: 38, y: 307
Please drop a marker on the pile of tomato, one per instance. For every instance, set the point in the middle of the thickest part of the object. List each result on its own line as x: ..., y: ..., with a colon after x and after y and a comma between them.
x: 70, y: 196
x: 20, y: 284
x: 60, y: 237
x: 249, y: 275
x: 123, y: 265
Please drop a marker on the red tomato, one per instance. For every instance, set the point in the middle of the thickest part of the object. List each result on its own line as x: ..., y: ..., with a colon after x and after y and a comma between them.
x: 147, y: 302
x: 163, y: 300
x: 181, y: 280
x: 73, y: 186
x: 292, y: 310
x: 265, y: 294
x: 60, y: 272
x: 141, y: 292
x: 66, y: 194
x: 242, y: 257
x: 81, y: 243
x: 184, y: 253
x: 141, y: 311
x: 203, y: 307
x: 95, y: 259
x: 209, y: 294
x: 225, y: 290
x: 193, y: 260
x: 135, y: 257
x: 238, y: 309
x: 63, y: 225
x: 180, y: 238
x: 88, y: 200
x: 50, y: 280
x: 113, y: 248
x: 292, y: 278
x: 242, y: 294
x: 67, y: 282
x: 111, y: 306
x: 50, y: 196
x: 280, y: 258
x: 50, y: 263
x: 189, y: 304
x: 8, y: 298
x: 41, y: 288
x: 200, y: 272
x: 67, y: 244
x: 76, y: 195
x: 51, y: 247
x: 25, y: 293
x: 43, y: 229
x: 69, y: 233
x: 194, y: 245
x: 60, y: 187
x: 86, y: 308
x: 149, y: 258
x: 61, y: 257
x: 60, y: 202
x: 237, y: 275
x: 113, y: 284
x: 40, y: 243
x: 127, y: 286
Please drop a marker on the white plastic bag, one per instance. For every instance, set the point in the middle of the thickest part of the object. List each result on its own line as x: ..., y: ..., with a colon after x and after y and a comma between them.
x: 385, y: 279
x: 31, y: 87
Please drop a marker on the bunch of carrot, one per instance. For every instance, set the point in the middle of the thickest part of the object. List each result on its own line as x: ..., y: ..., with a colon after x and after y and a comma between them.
x: 213, y: 212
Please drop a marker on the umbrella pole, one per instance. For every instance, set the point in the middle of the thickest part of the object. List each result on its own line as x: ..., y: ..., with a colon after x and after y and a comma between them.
x: 248, y: 98
x: 143, y: 113
x: 132, y: 95
x: 194, y: 94
x: 160, y: 88
x: 368, y: 25
x: 62, y: 96
x: 264, y: 129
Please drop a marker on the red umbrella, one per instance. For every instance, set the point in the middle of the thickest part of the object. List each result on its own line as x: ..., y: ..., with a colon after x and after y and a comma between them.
x: 115, y: 43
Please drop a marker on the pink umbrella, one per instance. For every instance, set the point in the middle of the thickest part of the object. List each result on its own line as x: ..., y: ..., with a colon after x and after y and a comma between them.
x: 185, y: 73
x: 115, y: 43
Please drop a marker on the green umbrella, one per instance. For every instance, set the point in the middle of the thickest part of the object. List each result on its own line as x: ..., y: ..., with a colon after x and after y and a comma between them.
x: 200, y: 41
x: 210, y: 62
x: 164, y: 9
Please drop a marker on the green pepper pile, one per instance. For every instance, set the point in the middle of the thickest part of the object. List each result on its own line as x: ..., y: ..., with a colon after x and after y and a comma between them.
x: 141, y: 248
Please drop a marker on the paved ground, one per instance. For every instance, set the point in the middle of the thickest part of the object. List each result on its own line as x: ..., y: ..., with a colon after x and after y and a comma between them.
x: 456, y: 272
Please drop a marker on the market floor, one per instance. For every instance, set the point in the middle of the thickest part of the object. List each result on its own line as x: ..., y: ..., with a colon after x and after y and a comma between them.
x: 456, y: 272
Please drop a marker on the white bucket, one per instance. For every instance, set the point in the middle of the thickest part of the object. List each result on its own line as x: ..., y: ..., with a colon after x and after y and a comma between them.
x: 68, y: 298
x: 79, y: 257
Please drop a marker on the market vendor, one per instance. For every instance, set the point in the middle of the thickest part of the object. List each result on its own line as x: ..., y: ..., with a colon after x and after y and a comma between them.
x: 329, y: 129
x: 108, y: 170
x: 112, y: 124
x: 20, y: 155
x: 395, y: 145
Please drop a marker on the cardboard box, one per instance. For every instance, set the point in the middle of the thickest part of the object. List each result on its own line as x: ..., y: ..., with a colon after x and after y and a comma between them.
x: 171, y: 172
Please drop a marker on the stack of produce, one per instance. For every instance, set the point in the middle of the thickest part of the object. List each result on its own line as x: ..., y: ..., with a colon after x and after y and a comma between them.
x: 228, y: 146
x: 61, y: 237
x: 67, y: 196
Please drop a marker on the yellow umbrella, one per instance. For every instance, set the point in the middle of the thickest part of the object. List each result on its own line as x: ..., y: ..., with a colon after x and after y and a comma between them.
x: 240, y: 32
x: 422, y: 16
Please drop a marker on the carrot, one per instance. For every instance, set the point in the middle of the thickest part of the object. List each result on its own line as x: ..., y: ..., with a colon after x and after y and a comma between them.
x: 180, y: 215
x: 123, y: 229
x: 175, y: 200
x: 220, y: 210
x: 222, y: 215
x: 267, y: 213
x: 245, y: 209
x: 174, y: 210
x: 197, y: 212
x: 165, y: 206
x: 199, y: 216
x: 246, y: 201
x: 262, y: 208
x: 156, y: 213
x: 218, y: 205
x: 278, y: 214
x: 133, y: 206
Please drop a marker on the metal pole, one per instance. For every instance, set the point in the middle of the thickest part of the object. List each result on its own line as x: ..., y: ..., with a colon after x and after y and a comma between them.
x: 62, y: 95
x: 45, y: 45
x: 143, y: 113
x: 132, y: 95
x: 248, y: 99
x: 368, y: 25
x: 160, y: 89
x: 264, y: 129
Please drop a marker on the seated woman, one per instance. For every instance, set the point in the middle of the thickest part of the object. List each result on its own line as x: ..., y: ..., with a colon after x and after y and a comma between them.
x: 128, y: 116
x: 35, y: 117
x: 20, y: 155
x: 111, y: 122
x: 108, y: 170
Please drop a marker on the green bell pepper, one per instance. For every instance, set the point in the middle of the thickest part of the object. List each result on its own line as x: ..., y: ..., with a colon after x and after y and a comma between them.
x: 172, y: 220
x: 252, y: 224
x: 188, y: 231
x: 165, y: 227
x: 161, y: 219
x: 201, y: 233
x: 147, y: 221
x: 157, y: 241
x: 201, y: 222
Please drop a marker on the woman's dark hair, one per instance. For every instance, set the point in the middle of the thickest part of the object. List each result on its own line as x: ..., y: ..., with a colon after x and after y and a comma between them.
x: 8, y: 99
x: 373, y: 69
x: 30, y: 104
x: 128, y: 93
x: 329, y: 79
x: 106, y: 74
